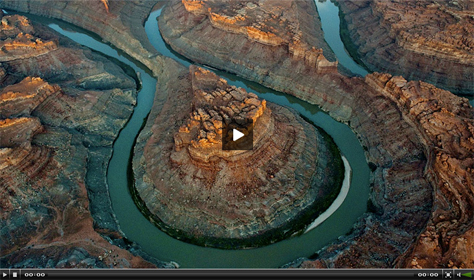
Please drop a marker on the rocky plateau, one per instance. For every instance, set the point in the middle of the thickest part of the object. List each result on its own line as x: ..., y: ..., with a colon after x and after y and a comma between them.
x: 196, y: 191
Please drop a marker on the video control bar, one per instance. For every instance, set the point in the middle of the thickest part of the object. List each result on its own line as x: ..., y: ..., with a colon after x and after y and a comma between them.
x: 330, y: 274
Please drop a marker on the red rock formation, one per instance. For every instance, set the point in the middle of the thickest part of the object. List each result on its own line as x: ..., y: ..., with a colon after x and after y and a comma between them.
x: 427, y: 40
x: 18, y: 130
x: 194, y: 6
x: 196, y: 191
x: 442, y: 123
x: 18, y: 42
x: 14, y: 25
x: 106, y: 4
x: 202, y: 133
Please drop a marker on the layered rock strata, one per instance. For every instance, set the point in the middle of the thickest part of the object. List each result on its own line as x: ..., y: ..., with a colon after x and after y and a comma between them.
x: 421, y: 40
x: 196, y: 191
x: 55, y: 142
x: 444, y: 125
x: 401, y: 142
x: 279, y: 35
x: 118, y: 22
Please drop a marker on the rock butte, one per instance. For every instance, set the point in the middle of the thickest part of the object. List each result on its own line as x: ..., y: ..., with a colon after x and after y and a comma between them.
x: 427, y: 40
x: 418, y: 138
x: 55, y: 144
x: 395, y: 146
x: 196, y: 191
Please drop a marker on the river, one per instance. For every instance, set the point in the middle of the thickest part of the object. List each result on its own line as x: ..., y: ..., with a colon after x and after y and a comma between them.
x: 329, y: 15
x: 138, y: 229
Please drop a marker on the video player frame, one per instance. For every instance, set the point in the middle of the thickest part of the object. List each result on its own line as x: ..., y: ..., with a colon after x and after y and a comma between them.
x: 324, y: 274
x: 275, y: 139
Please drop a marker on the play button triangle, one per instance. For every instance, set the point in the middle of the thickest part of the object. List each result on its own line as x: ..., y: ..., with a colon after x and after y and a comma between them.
x: 236, y: 135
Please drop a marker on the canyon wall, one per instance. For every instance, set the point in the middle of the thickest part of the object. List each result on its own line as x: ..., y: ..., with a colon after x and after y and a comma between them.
x: 120, y: 23
x: 420, y: 40
x: 61, y: 108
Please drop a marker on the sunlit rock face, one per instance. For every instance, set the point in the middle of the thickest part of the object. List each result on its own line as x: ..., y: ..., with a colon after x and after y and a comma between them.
x: 445, y: 125
x: 117, y: 22
x: 18, y: 41
x: 197, y: 192
x: 215, y: 105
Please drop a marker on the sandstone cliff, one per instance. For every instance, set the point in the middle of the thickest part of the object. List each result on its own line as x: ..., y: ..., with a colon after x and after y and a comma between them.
x: 405, y: 180
x: 420, y: 40
x: 196, y: 191
x: 55, y: 143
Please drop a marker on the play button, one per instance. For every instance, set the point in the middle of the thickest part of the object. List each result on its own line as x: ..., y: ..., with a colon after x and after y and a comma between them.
x: 5, y: 274
x: 236, y: 135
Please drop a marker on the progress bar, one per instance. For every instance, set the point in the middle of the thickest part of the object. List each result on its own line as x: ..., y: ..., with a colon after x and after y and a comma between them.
x: 332, y: 274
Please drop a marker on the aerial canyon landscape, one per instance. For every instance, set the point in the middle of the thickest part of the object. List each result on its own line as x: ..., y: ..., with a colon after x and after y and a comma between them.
x: 118, y: 144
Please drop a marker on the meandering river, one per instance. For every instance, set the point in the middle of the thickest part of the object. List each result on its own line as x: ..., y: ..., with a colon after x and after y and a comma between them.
x: 138, y: 229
